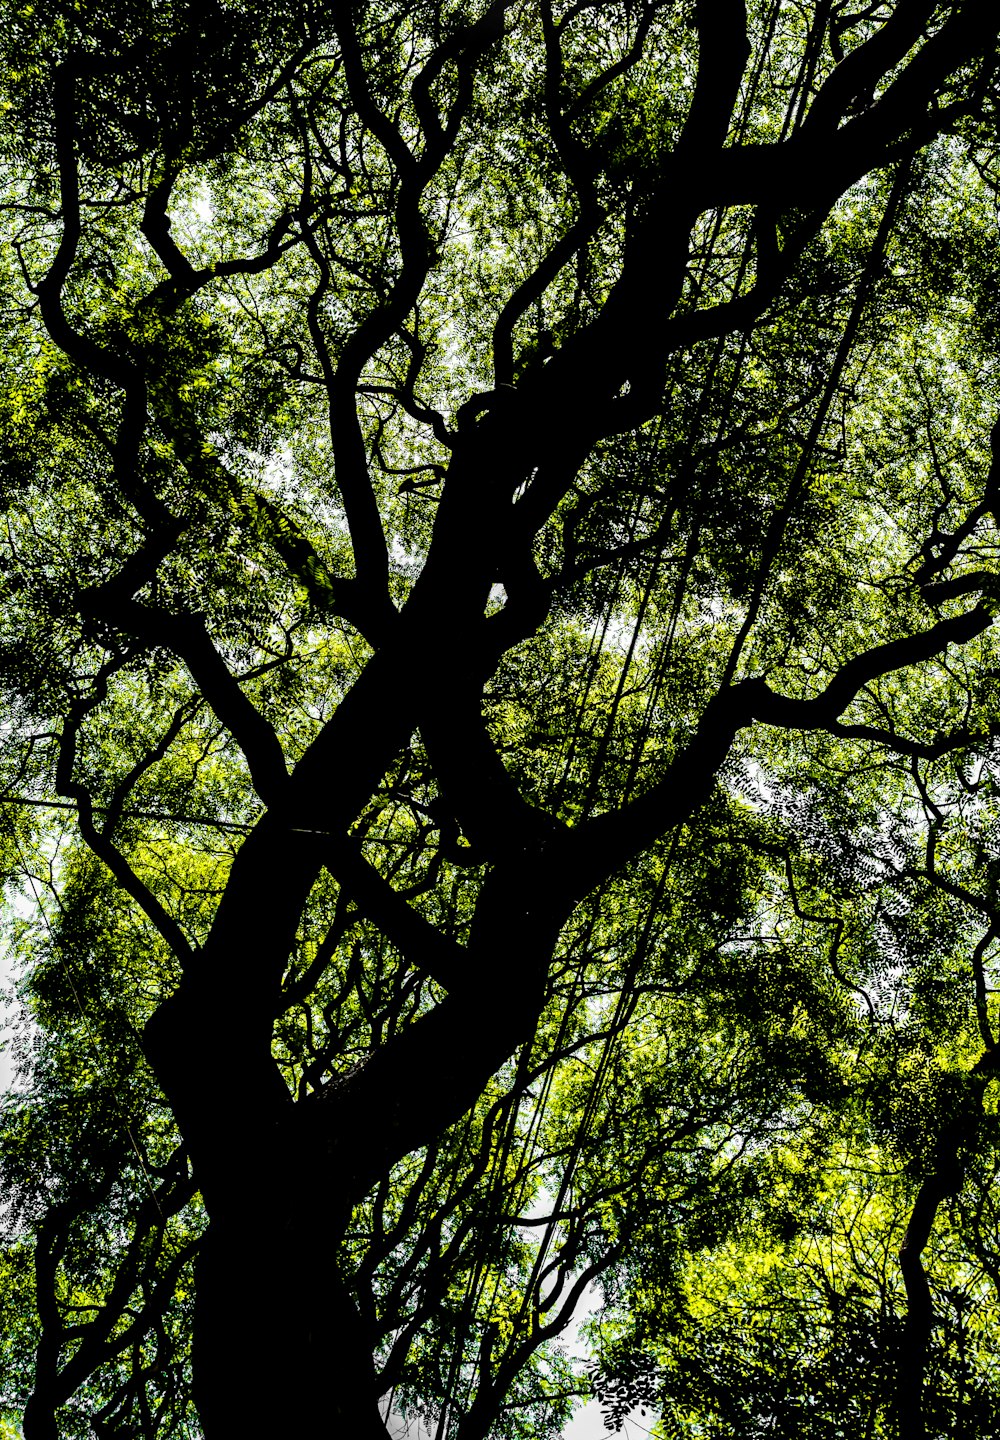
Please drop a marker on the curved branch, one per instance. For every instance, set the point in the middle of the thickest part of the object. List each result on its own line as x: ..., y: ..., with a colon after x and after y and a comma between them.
x: 600, y: 846
x: 187, y: 637
x: 98, y: 840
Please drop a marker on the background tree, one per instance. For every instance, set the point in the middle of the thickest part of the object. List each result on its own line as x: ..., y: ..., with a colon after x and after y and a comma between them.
x: 499, y: 571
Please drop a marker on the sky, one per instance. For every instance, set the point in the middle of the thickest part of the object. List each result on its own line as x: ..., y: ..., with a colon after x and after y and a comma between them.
x: 5, y: 1065
x: 586, y: 1424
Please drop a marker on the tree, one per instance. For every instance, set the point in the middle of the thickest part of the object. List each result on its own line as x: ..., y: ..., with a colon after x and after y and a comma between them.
x: 501, y: 688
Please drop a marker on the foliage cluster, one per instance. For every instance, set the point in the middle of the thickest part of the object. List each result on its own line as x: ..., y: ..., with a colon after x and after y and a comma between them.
x: 499, y: 788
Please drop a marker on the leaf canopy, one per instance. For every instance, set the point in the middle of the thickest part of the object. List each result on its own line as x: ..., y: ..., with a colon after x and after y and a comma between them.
x: 498, y: 789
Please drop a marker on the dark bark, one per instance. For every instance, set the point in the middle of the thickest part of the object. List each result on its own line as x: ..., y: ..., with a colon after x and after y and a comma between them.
x: 951, y: 1154
x: 278, y: 1344
x: 919, y: 1306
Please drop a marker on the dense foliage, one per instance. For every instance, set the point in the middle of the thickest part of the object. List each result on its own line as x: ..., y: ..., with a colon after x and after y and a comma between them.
x: 499, y: 786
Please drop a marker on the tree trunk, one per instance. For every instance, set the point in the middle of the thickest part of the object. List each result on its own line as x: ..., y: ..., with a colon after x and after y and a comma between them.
x: 919, y: 1308
x: 946, y: 1179
x: 278, y: 1345
x: 279, y: 1340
